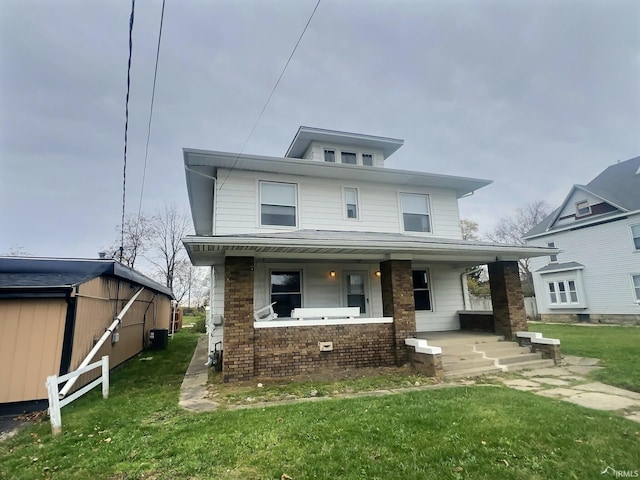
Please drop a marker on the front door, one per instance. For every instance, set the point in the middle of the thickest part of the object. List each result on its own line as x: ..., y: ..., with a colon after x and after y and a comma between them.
x: 356, y: 291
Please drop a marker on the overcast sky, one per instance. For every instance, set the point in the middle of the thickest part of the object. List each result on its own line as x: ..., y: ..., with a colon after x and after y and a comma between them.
x: 535, y: 95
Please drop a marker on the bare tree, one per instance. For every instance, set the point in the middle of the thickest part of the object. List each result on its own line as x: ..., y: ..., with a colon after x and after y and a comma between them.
x: 169, y: 227
x: 469, y: 229
x: 137, y: 236
x: 16, y: 251
x: 512, y: 229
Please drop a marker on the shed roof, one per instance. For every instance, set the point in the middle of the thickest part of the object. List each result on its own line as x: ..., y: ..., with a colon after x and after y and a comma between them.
x: 30, y: 272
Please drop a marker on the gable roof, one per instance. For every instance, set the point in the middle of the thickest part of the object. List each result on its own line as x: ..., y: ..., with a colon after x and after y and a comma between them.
x: 618, y: 185
x: 306, y: 135
x: 64, y: 273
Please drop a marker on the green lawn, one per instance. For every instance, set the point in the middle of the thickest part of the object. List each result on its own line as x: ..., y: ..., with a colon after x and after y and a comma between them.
x: 483, y: 432
x: 618, y: 347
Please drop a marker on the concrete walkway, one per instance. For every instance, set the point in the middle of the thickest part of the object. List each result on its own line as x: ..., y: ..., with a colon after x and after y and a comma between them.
x: 566, y: 382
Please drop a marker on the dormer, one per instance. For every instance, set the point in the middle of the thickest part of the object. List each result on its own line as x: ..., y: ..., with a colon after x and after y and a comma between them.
x: 331, y: 146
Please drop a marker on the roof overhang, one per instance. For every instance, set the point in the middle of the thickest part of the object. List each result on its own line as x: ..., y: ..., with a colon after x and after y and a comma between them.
x: 335, y: 246
x: 201, y: 170
x: 306, y: 135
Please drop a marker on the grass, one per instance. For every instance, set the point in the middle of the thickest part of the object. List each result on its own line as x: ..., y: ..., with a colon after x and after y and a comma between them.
x: 616, y: 346
x: 480, y: 432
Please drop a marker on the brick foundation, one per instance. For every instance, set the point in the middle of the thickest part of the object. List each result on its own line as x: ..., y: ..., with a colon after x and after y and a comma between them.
x: 397, y: 302
x: 604, y: 319
x: 287, y: 351
x: 426, y: 364
x: 506, y: 295
x: 548, y: 351
x: 238, y: 330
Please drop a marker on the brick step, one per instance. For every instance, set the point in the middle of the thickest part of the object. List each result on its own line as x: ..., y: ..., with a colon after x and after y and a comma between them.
x: 472, y: 372
x: 467, y: 364
x: 530, y: 365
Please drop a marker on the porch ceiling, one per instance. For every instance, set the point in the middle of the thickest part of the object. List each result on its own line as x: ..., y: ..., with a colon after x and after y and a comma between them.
x: 364, y: 246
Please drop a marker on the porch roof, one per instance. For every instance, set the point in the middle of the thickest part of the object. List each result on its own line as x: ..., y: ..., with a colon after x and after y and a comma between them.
x: 336, y: 245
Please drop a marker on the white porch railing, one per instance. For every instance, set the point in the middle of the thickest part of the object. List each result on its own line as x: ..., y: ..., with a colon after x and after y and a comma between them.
x: 56, y: 403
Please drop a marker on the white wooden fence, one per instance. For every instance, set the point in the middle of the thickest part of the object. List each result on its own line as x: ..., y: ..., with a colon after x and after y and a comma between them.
x: 56, y: 403
x: 484, y: 303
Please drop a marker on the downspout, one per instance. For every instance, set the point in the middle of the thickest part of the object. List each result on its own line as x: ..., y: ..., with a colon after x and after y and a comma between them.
x: 69, y: 328
x: 116, y: 323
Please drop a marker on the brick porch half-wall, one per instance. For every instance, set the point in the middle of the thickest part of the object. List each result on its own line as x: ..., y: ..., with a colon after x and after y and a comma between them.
x: 288, y: 351
x: 397, y: 302
x: 509, y: 314
x: 238, y: 332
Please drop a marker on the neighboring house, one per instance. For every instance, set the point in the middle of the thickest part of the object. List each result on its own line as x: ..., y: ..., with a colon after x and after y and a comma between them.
x: 53, y: 310
x: 596, y: 275
x: 325, y: 228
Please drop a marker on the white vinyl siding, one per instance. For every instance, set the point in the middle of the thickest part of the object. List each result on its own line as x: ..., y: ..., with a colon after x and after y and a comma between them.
x: 608, y: 259
x: 446, y: 300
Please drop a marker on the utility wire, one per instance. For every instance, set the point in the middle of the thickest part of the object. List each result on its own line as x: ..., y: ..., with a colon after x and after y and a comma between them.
x: 153, y: 95
x: 126, y: 127
x: 270, y: 95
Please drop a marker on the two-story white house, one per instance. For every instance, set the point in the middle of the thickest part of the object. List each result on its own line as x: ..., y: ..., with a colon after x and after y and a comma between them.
x: 596, y: 275
x: 352, y: 257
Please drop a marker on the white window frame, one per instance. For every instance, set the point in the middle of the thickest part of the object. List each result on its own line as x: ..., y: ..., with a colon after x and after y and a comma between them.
x: 578, y: 214
x: 429, y: 215
x: 295, y: 204
x: 346, y: 204
x: 429, y: 288
x: 347, y: 152
x: 327, y: 150
x: 286, y: 269
x: 636, y: 247
x: 563, y: 287
x: 372, y: 159
x: 635, y: 290
x: 553, y: 258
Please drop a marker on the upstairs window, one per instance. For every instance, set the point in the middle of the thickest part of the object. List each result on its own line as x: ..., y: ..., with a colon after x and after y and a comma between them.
x: 330, y: 156
x: 635, y: 235
x: 351, y: 202
x: 421, y: 291
x: 278, y: 204
x: 583, y: 208
x: 349, y: 157
x: 367, y: 159
x: 553, y: 258
x: 415, y: 212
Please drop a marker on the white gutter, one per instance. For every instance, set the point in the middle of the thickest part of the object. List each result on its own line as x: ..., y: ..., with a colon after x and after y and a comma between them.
x: 116, y: 323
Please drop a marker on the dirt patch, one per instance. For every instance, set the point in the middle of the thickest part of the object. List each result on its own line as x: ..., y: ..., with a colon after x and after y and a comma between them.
x: 12, y: 424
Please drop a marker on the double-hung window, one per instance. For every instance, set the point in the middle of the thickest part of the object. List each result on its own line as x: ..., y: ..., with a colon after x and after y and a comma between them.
x: 635, y: 279
x: 351, y: 202
x: 330, y: 156
x: 278, y: 204
x: 553, y: 258
x: 635, y: 235
x: 286, y: 292
x: 415, y: 212
x: 421, y: 290
x: 563, y: 292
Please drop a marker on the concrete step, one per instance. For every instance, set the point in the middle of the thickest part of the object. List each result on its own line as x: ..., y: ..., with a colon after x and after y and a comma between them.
x: 457, y: 338
x: 467, y: 364
x: 519, y: 358
x: 530, y: 365
x: 471, y: 372
x: 499, y: 347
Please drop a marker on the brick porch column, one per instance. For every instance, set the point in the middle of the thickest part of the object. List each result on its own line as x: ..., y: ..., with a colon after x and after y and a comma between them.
x: 397, y: 302
x: 237, y: 362
x: 509, y: 315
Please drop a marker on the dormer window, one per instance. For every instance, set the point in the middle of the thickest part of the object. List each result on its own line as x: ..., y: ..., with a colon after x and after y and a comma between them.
x: 367, y: 159
x: 330, y: 156
x: 349, y: 157
x: 583, y: 208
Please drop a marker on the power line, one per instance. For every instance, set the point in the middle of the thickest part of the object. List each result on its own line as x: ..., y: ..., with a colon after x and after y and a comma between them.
x: 270, y: 95
x: 153, y: 95
x: 126, y: 126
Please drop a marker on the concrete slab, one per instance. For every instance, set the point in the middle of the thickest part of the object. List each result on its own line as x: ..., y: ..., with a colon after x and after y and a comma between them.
x: 581, y: 369
x: 522, y: 384
x: 608, y: 389
x: 634, y: 417
x: 563, y: 393
x: 547, y: 372
x: 572, y: 378
x: 552, y: 381
x: 602, y: 401
x: 193, y: 391
x: 584, y: 361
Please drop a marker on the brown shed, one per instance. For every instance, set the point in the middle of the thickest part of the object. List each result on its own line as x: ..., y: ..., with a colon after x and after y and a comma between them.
x: 53, y: 311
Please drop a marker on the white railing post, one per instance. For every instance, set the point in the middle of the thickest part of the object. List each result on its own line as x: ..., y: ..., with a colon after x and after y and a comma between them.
x: 105, y: 376
x: 54, y: 405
